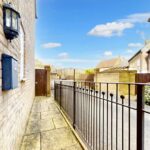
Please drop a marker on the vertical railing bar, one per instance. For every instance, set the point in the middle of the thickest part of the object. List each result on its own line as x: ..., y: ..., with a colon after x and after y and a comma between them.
x: 107, y: 116
x: 81, y: 105
x: 103, y: 119
x: 60, y: 93
x: 111, y: 121
x: 84, y: 111
x: 94, y: 118
x: 86, y: 114
x: 116, y: 116
x: 122, y: 97
x: 91, y: 117
x: 99, y: 116
x: 140, y: 117
x: 78, y: 105
x: 129, y: 129
x: 74, y: 105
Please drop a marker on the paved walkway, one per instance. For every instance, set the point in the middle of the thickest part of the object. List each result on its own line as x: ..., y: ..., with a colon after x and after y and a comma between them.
x: 47, y: 129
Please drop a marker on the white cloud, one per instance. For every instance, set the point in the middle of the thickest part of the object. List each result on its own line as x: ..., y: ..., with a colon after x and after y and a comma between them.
x: 51, y: 45
x: 135, y: 45
x: 63, y: 55
x: 110, y: 29
x: 129, y: 51
x: 117, y: 27
x: 137, y: 18
x: 108, y: 53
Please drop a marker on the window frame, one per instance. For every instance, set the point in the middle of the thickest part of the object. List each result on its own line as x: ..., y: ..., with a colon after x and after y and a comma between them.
x: 22, y: 62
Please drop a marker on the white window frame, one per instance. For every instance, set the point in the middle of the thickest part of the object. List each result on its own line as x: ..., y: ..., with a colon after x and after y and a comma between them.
x: 22, y: 53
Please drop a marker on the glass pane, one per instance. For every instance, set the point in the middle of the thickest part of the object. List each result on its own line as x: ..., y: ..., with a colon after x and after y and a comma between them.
x: 8, y: 18
x: 14, y: 21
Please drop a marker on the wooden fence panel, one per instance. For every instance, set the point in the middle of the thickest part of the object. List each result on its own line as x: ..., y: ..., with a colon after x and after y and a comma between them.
x: 143, y: 78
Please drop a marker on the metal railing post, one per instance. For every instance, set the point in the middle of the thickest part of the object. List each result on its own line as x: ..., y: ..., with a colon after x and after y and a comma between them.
x: 54, y: 91
x: 140, y: 117
x: 74, y: 104
x: 60, y: 97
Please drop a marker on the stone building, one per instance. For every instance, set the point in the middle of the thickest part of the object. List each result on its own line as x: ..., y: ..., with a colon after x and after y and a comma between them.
x: 115, y: 76
x: 118, y: 62
x: 15, y: 104
x: 141, y: 60
x: 115, y: 71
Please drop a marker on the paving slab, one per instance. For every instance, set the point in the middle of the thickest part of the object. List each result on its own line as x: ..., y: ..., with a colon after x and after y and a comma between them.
x: 47, y: 129
x: 57, y: 139
x: 59, y: 122
x: 31, y: 142
x: 73, y: 147
x: 50, y: 114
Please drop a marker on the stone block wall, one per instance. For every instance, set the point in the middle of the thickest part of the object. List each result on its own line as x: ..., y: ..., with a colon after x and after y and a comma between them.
x: 15, y: 104
x: 116, y: 77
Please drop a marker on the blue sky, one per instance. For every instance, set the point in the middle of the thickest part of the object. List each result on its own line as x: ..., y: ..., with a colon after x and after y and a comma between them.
x: 81, y: 33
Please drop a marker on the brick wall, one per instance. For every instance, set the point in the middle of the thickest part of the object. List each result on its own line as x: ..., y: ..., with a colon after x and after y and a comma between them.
x: 15, y: 104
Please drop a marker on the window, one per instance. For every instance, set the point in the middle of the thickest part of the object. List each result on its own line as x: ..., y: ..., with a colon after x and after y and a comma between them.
x: 22, y: 46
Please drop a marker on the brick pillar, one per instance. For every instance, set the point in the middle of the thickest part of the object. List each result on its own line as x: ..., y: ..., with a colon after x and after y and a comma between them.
x: 48, y: 69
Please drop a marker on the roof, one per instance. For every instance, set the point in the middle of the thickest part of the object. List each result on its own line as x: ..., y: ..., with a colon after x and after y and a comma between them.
x: 140, y: 51
x: 116, y: 70
x: 113, y: 63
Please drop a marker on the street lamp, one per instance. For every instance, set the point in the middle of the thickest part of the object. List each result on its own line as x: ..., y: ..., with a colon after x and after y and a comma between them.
x: 10, y: 22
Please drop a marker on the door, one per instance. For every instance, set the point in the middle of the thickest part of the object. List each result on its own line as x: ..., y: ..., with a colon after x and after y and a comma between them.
x: 40, y: 82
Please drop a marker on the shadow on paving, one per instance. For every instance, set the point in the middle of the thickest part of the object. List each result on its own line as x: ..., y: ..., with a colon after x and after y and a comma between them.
x: 47, y: 129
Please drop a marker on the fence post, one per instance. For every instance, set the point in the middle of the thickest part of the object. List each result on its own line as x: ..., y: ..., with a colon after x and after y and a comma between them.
x: 74, y: 104
x: 140, y: 117
x: 60, y: 97
x: 54, y: 91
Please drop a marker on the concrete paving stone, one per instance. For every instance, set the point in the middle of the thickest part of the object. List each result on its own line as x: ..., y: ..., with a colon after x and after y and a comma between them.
x: 46, y: 124
x: 57, y: 139
x: 47, y: 129
x: 33, y: 127
x: 52, y: 106
x: 39, y: 126
x: 50, y: 114
x: 31, y: 142
x: 34, y: 116
x: 59, y: 122
x: 36, y: 108
x: 73, y: 147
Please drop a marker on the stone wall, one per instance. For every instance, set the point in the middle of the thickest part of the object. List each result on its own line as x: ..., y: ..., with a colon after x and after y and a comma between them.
x: 116, y: 76
x: 15, y: 104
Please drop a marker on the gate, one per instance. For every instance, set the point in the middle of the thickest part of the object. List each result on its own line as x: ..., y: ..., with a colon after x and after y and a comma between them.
x: 40, y: 82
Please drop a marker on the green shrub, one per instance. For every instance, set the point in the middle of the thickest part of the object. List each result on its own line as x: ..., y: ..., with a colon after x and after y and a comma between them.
x: 147, y: 95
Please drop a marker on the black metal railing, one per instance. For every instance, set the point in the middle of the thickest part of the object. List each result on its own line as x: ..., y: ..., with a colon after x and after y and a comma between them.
x: 107, y: 116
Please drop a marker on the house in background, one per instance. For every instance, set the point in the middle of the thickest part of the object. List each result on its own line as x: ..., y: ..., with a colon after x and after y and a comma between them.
x: 141, y: 60
x: 114, y: 71
x: 15, y: 103
x: 118, y: 62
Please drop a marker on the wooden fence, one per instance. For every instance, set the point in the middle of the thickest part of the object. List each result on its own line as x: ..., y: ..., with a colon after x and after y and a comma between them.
x: 142, y: 78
